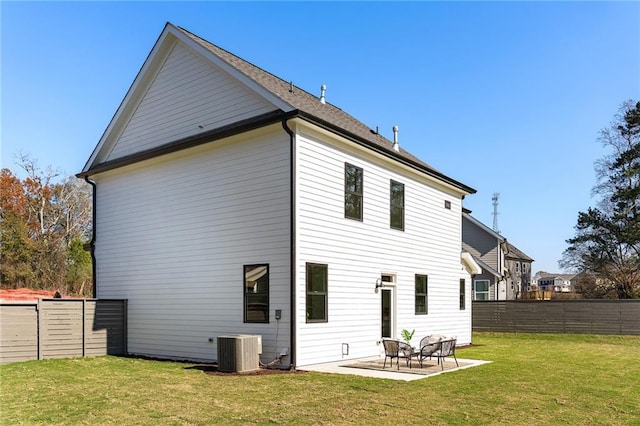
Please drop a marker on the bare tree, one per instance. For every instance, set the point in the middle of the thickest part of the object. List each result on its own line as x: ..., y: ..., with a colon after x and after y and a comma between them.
x: 45, y: 222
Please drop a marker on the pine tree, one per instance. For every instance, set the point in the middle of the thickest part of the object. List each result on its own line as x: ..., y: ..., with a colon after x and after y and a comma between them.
x: 607, y: 240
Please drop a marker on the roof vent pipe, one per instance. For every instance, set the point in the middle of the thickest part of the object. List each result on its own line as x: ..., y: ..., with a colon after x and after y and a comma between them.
x: 396, y: 147
x: 323, y: 89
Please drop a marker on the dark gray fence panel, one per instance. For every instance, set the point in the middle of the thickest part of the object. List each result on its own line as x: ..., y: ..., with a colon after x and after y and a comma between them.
x: 558, y: 316
x: 104, y: 333
x: 18, y: 332
x: 630, y: 315
x: 61, y: 328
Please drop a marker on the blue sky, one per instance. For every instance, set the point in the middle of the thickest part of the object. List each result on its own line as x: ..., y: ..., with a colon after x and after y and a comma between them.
x: 505, y: 97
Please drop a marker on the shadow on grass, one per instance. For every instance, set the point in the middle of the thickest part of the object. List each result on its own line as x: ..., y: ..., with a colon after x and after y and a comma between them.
x: 207, y: 368
x: 212, y: 369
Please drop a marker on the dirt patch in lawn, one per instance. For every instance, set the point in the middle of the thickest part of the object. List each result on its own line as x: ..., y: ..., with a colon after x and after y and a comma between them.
x: 212, y: 369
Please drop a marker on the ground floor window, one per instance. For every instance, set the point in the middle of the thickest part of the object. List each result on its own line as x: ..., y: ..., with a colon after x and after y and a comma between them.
x: 256, y: 293
x: 317, y: 277
x: 421, y: 304
x: 481, y: 290
x: 462, y: 294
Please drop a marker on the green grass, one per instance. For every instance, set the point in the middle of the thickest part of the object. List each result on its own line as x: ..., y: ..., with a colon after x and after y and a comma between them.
x: 534, y: 379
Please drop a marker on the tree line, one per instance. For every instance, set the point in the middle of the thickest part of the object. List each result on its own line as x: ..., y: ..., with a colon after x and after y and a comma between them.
x: 606, y: 245
x: 45, y: 222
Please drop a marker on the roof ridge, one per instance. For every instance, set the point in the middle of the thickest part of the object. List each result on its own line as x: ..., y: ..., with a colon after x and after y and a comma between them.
x: 290, y: 82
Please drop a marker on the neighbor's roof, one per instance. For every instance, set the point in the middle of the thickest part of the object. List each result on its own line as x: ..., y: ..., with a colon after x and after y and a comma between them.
x: 551, y: 275
x: 515, y: 253
x: 308, y: 107
x: 486, y: 267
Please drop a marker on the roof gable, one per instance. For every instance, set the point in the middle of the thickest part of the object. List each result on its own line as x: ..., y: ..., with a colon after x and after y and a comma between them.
x: 176, y: 53
x: 188, y: 94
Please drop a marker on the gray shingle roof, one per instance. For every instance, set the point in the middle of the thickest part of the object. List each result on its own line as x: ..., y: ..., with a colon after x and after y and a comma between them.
x: 310, y: 107
x: 515, y: 253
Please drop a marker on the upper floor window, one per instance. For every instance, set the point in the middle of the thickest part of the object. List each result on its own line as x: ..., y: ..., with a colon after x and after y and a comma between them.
x: 256, y: 293
x: 518, y: 267
x: 397, y: 205
x: 317, y: 295
x: 352, y: 192
x: 422, y: 305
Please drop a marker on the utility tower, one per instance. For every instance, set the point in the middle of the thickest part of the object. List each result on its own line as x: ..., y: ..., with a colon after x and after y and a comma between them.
x: 495, y: 211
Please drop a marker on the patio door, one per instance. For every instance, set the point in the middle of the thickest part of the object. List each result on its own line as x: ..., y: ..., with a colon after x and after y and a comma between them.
x: 387, y: 304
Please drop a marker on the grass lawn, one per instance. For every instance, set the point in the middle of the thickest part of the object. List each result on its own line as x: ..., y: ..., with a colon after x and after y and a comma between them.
x: 534, y: 379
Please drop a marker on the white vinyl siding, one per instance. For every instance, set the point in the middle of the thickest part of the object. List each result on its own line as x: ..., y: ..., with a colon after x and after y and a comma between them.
x: 173, y: 234
x: 357, y: 253
x: 188, y: 92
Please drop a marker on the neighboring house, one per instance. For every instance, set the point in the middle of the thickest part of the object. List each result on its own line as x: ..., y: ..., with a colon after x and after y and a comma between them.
x: 554, y: 282
x: 229, y: 201
x: 518, y: 266
x: 504, y: 267
x: 488, y: 249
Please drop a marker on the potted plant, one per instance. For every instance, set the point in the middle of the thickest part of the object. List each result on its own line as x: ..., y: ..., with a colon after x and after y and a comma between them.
x: 407, y: 335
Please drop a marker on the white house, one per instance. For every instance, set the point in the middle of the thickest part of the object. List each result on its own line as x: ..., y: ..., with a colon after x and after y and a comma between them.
x: 229, y: 200
x: 558, y: 283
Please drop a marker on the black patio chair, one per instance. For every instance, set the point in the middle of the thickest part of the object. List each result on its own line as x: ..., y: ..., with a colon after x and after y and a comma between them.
x: 397, y: 349
x: 447, y: 348
x: 428, y: 346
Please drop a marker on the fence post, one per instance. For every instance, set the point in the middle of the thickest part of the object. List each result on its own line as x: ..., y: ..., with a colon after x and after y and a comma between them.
x: 39, y: 308
x: 125, y: 320
x: 84, y: 333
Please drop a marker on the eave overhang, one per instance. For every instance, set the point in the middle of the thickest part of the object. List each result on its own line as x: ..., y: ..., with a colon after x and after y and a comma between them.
x: 257, y: 122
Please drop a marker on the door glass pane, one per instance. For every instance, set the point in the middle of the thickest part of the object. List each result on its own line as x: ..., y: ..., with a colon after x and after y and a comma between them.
x: 386, y: 313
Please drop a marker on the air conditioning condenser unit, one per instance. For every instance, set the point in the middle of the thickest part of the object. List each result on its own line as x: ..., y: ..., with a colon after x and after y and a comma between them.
x: 238, y: 353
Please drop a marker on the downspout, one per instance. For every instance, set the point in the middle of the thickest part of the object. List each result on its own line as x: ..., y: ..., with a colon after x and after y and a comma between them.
x: 499, y: 270
x: 92, y: 243
x: 292, y: 242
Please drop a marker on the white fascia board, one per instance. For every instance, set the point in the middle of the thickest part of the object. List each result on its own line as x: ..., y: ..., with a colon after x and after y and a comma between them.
x: 470, y: 264
x: 232, y: 71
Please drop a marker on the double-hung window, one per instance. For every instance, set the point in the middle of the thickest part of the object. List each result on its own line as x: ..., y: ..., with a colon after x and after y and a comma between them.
x: 317, y: 278
x: 256, y: 293
x: 481, y: 289
x: 352, y: 192
x: 422, y: 299
x: 397, y: 205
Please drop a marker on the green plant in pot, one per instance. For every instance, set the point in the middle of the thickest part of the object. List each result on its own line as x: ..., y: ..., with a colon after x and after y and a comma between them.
x: 407, y: 335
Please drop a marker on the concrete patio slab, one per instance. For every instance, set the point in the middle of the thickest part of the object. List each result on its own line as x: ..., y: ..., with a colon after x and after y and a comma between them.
x: 361, y: 367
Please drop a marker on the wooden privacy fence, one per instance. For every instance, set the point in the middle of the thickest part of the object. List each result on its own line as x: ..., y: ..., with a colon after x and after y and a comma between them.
x: 61, y: 328
x: 558, y: 316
